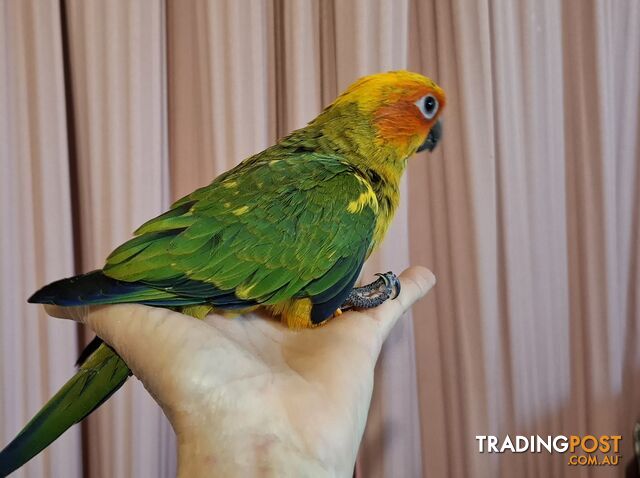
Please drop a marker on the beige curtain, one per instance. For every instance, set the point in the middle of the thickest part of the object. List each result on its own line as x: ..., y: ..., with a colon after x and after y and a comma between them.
x: 528, y: 212
x: 36, y: 230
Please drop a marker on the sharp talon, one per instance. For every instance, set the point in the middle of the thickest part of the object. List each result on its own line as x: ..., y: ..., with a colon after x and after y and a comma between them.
x: 392, y: 283
x: 397, y: 287
x: 337, y: 313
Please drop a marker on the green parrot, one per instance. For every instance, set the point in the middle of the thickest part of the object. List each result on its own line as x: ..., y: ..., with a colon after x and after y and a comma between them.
x: 288, y: 229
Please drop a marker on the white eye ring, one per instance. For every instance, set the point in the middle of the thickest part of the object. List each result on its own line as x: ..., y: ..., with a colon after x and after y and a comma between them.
x: 428, y: 106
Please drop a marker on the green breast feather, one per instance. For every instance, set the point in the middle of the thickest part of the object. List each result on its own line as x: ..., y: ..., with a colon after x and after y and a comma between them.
x: 263, y: 233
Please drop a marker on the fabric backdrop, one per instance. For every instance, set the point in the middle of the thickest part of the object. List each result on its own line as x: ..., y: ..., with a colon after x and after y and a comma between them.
x: 528, y: 213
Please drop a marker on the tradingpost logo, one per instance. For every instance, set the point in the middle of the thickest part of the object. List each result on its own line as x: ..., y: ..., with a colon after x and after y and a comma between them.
x: 582, y: 450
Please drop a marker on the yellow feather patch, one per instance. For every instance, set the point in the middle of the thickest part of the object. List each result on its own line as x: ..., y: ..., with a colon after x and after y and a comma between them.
x: 366, y: 198
x: 295, y: 314
x: 241, y: 210
x: 243, y: 291
x: 197, y: 311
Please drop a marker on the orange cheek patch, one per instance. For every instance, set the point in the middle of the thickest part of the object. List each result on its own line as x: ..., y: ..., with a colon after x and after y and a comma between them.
x: 400, y: 123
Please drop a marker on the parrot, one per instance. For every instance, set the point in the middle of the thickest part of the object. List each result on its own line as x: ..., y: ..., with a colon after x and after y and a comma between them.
x: 287, y: 230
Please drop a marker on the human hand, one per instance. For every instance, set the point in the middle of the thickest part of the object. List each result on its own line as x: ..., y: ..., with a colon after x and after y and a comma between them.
x: 248, y: 396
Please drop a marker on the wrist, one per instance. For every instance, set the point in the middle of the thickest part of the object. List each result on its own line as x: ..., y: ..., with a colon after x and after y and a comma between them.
x: 255, y: 454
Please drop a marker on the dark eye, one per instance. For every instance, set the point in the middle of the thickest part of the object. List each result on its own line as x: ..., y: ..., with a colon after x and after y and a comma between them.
x: 428, y: 106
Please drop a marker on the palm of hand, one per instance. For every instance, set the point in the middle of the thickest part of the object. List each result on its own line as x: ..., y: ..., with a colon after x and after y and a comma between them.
x: 308, y: 390
x: 249, y: 390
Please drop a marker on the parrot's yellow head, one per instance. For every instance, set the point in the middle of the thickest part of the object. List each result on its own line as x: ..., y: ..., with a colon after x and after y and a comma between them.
x: 402, y: 109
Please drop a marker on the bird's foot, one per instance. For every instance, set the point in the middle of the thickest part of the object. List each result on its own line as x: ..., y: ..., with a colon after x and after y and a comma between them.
x: 372, y: 295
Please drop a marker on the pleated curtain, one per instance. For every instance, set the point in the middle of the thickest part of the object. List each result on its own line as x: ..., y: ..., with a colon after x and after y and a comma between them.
x: 528, y: 212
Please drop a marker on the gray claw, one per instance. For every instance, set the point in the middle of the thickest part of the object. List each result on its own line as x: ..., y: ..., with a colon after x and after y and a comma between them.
x: 372, y: 295
x: 392, y: 283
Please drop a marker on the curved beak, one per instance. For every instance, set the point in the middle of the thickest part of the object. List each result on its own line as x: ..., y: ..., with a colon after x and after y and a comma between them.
x: 432, y: 138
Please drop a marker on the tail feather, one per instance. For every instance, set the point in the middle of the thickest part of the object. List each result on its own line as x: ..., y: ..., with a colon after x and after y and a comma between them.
x: 101, y: 371
x: 95, y: 288
x: 98, y: 378
x: 88, y: 350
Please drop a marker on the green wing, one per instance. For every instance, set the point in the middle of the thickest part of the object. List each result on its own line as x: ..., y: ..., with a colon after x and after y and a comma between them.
x: 262, y: 233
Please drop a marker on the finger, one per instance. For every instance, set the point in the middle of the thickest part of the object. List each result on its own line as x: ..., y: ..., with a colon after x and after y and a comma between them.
x: 77, y: 313
x: 415, y: 283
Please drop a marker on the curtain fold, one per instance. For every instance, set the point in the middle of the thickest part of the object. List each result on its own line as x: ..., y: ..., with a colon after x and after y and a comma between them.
x: 36, y: 235
x: 453, y: 230
x: 221, y: 88
x: 527, y: 212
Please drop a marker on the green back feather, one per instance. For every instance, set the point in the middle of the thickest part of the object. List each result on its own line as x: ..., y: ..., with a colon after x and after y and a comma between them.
x: 267, y: 231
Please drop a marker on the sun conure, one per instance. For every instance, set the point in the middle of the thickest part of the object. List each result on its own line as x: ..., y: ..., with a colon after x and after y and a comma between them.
x: 287, y: 229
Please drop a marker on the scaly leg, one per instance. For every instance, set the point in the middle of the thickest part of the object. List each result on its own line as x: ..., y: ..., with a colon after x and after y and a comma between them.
x: 372, y: 295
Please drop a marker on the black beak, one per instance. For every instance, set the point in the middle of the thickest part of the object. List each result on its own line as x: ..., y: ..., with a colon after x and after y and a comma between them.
x: 432, y: 138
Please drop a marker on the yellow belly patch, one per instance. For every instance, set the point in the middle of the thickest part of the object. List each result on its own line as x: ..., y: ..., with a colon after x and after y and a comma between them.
x: 295, y: 314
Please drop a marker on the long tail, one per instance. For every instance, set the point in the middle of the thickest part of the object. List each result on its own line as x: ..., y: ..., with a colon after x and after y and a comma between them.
x: 95, y: 288
x: 101, y: 372
x: 98, y: 378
